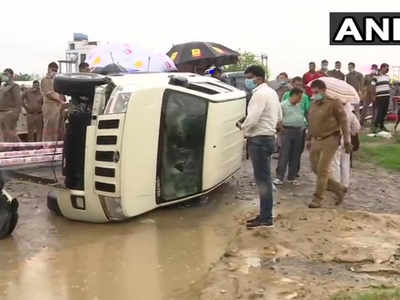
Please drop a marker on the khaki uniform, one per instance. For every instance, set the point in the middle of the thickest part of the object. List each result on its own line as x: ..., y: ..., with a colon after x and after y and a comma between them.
x: 336, y: 74
x: 10, y: 108
x: 51, y: 111
x: 355, y: 79
x: 327, y: 119
x: 368, y: 95
x: 33, y: 102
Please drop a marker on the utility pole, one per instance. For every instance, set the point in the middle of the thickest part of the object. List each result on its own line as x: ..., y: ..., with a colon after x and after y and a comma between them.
x: 264, y: 61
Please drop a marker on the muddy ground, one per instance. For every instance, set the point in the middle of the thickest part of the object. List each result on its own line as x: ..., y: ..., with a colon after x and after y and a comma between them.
x: 201, y: 249
x: 313, y: 254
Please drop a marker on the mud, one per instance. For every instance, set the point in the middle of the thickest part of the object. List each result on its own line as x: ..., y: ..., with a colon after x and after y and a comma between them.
x: 313, y: 254
x: 160, y: 255
x: 201, y: 249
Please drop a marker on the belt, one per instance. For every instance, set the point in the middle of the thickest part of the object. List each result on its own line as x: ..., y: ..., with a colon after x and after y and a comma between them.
x: 261, y: 136
x: 293, y: 127
x: 37, y: 113
x: 320, y: 138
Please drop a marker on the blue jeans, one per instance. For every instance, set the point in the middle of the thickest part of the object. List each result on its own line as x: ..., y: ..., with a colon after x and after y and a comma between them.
x: 260, y: 149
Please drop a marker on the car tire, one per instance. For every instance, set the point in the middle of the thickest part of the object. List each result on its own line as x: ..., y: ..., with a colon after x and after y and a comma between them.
x: 52, y: 204
x: 14, y: 217
x: 9, y: 217
x: 81, y: 84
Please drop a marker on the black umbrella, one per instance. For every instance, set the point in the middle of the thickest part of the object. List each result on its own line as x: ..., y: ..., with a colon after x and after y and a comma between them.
x: 199, y: 55
x: 110, y: 69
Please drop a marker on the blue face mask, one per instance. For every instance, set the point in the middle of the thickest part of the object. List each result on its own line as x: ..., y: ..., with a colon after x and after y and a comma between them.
x: 250, y: 84
x: 5, y: 78
x: 318, y: 97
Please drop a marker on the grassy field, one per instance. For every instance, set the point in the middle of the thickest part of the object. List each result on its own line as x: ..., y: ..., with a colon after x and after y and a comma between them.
x: 380, y: 294
x: 385, y: 153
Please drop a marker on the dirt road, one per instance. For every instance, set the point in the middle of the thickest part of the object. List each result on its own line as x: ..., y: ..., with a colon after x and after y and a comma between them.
x: 201, y: 250
x: 312, y: 254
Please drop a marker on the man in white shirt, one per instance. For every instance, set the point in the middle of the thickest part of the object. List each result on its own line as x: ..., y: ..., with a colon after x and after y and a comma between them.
x: 264, y: 113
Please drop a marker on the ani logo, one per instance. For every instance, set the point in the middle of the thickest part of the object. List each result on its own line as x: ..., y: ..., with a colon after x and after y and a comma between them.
x: 364, y: 28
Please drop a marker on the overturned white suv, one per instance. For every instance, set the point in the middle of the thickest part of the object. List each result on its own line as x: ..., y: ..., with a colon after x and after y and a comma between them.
x: 136, y: 142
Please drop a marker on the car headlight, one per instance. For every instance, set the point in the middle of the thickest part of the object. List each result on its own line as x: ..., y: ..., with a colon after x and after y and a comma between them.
x: 118, y: 103
x: 112, y: 208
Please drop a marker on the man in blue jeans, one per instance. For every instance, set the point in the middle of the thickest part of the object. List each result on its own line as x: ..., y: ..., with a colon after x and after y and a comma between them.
x: 264, y: 113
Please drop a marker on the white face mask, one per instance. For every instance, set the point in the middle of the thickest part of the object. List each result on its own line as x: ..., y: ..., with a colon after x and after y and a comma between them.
x: 5, y: 78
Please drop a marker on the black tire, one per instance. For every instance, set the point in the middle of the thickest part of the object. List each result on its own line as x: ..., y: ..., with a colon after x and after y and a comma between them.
x: 9, y: 217
x: 52, y: 204
x: 13, y: 223
x: 80, y: 84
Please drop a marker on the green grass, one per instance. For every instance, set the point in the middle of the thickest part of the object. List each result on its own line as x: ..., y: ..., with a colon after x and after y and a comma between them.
x: 385, y: 153
x: 379, y: 294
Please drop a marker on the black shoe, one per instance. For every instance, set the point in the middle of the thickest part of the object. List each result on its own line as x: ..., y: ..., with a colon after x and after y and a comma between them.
x: 261, y: 224
x: 384, y: 129
x: 253, y: 220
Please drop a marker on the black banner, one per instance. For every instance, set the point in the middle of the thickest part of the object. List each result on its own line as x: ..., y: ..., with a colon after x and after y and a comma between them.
x: 349, y: 28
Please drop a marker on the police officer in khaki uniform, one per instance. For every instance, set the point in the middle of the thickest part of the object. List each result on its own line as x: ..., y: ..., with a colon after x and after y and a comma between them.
x: 33, y: 102
x: 368, y: 94
x: 328, y: 120
x: 53, y: 103
x: 10, y: 107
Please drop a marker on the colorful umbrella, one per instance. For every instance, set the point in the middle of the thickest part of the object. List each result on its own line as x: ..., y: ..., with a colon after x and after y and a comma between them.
x: 339, y: 89
x: 133, y: 58
x: 202, y: 54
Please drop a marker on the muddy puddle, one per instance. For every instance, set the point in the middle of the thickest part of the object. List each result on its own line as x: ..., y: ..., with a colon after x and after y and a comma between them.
x: 160, y: 255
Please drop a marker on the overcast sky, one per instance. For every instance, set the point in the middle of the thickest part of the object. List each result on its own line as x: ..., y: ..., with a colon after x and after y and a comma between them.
x: 291, y: 33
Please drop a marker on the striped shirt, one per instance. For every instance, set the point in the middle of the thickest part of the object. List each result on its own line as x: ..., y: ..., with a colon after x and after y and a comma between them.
x: 382, y: 85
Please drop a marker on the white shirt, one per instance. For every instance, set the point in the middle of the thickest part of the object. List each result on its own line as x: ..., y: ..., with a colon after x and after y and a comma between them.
x: 382, y: 85
x: 263, y: 113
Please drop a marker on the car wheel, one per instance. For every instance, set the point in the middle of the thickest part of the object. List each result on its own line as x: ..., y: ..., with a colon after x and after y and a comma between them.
x: 52, y: 203
x: 81, y: 84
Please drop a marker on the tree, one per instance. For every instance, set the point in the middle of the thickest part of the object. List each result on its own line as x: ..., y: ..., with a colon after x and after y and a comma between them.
x: 24, y: 77
x: 246, y: 59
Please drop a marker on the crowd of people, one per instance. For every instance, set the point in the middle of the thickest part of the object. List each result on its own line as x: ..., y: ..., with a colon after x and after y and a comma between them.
x: 46, y: 110
x: 297, y: 115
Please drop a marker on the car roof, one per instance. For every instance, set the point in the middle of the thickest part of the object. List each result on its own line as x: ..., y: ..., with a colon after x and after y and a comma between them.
x: 219, y: 91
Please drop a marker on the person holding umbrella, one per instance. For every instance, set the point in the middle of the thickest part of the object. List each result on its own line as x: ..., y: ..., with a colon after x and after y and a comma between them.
x: 264, y: 113
x: 328, y: 120
x: 218, y: 74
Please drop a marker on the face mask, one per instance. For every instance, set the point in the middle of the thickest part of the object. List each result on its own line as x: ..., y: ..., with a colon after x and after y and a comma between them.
x: 250, y: 84
x: 324, y: 67
x: 283, y: 82
x: 318, y: 97
x: 337, y: 69
x: 351, y: 69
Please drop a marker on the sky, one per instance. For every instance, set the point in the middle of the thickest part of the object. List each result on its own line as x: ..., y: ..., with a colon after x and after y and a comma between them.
x: 291, y: 33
